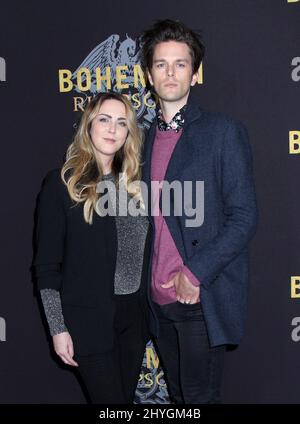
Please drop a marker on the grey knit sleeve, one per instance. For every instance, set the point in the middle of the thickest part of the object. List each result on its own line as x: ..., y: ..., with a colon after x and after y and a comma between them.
x: 53, y: 311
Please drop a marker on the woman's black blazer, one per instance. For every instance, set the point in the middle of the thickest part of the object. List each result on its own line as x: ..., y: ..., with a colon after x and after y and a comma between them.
x: 79, y: 260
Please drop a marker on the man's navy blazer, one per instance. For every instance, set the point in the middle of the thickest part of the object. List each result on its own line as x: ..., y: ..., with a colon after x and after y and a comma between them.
x: 215, y: 149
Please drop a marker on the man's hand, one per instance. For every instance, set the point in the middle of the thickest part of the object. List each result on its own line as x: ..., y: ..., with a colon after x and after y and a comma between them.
x: 63, y: 346
x: 186, y: 292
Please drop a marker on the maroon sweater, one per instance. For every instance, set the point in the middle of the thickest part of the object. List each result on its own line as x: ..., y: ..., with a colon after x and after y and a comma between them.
x: 166, y: 259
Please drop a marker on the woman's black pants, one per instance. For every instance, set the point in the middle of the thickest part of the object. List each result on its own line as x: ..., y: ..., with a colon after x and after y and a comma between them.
x: 111, y: 377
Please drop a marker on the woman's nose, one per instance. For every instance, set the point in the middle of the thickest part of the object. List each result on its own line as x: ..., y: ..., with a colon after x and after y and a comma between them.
x: 112, y: 127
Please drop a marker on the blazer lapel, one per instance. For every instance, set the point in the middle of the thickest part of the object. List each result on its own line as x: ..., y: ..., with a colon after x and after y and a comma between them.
x: 183, y: 149
x: 182, y: 154
x: 179, y: 159
x: 146, y: 174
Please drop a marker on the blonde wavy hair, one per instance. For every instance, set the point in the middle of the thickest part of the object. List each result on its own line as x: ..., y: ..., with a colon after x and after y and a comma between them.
x: 82, y: 172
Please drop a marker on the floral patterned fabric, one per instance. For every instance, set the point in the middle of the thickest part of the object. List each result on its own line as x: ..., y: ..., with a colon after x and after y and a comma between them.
x: 175, y: 124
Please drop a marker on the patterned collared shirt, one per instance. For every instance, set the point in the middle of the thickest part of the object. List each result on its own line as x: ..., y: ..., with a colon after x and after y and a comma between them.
x: 176, y: 124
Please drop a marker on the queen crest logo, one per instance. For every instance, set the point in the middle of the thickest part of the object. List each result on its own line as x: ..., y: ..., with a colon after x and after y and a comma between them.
x: 113, y: 65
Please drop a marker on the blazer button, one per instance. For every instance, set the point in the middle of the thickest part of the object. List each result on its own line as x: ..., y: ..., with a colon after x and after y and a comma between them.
x: 194, y: 242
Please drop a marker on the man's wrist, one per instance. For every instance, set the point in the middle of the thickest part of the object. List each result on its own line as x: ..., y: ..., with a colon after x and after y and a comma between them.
x: 191, y: 277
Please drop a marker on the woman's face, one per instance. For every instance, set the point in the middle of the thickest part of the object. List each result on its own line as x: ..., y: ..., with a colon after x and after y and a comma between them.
x: 109, y: 130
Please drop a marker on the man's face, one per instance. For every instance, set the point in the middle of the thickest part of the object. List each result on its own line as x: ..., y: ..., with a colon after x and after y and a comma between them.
x: 172, y: 73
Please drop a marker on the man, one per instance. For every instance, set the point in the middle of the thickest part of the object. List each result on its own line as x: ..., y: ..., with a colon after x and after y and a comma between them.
x: 199, y: 274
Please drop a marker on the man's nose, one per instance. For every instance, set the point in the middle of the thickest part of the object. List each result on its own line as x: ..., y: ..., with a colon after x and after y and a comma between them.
x: 170, y: 70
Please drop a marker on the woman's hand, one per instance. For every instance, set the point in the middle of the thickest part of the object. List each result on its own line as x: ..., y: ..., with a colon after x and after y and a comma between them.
x: 63, y: 346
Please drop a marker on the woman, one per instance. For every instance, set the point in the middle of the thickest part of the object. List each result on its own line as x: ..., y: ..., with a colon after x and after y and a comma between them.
x: 91, y: 266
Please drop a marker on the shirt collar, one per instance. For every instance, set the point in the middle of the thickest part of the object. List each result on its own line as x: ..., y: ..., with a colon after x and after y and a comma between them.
x: 176, y: 123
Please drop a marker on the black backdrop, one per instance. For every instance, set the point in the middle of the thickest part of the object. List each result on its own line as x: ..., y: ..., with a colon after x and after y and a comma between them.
x: 251, y: 71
